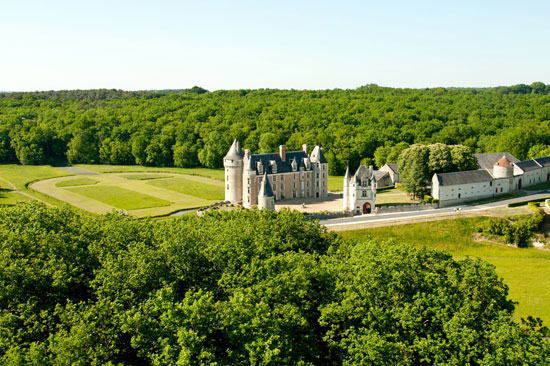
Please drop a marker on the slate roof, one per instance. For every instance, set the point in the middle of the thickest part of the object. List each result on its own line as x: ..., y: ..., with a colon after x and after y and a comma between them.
x: 466, y: 177
x: 318, y: 155
x: 394, y: 168
x: 379, y: 174
x: 486, y: 161
x: 265, y: 187
x: 543, y: 161
x: 235, y: 151
x: 282, y: 166
x: 363, y: 172
x: 348, y: 175
x: 528, y: 165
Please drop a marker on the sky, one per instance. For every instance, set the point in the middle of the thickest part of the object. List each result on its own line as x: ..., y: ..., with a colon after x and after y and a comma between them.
x: 161, y: 44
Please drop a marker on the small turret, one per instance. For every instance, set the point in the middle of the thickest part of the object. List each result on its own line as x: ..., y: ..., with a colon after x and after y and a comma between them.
x: 503, y: 168
x: 347, y: 179
x: 266, y: 198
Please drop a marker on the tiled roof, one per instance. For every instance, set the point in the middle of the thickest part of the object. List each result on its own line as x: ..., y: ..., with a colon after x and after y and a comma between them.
x: 466, y: 177
x: 379, y: 174
x: 486, y: 161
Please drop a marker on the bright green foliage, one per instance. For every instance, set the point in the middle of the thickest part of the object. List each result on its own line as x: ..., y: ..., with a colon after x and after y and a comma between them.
x: 515, y: 230
x: 240, y: 288
x: 418, y: 163
x: 186, y: 129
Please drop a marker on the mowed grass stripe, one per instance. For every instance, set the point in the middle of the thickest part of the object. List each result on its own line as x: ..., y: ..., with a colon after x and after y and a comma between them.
x: 144, y: 176
x: 76, y: 182
x: 191, y: 187
x: 120, y: 197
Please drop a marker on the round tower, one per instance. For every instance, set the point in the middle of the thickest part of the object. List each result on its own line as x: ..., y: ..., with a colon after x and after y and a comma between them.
x: 503, y: 168
x: 233, y: 164
x: 249, y: 181
x: 346, y: 189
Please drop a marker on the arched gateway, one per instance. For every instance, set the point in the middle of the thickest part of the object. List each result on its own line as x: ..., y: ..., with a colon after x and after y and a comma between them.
x: 366, y: 208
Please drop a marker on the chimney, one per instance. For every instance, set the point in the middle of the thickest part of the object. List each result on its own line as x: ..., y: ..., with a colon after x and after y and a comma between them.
x: 282, y: 152
x: 304, y: 148
x: 247, y: 153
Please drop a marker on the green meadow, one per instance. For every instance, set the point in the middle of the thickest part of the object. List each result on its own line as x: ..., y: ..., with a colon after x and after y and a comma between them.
x: 525, y: 270
x: 120, y: 197
x: 191, y: 187
x: 76, y: 182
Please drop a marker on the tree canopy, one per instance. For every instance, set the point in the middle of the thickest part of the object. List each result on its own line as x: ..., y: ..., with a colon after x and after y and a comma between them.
x: 196, y: 127
x: 239, y: 288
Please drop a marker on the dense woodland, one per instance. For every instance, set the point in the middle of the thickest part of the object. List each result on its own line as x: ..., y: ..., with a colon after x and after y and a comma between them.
x: 195, y: 127
x: 85, y: 289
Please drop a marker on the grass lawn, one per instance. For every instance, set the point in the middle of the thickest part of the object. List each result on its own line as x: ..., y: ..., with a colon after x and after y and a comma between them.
x: 145, y: 176
x: 191, y: 187
x: 20, y: 176
x: 393, y: 195
x: 336, y: 183
x: 525, y: 271
x: 11, y: 198
x: 217, y: 174
x: 76, y: 182
x: 120, y: 197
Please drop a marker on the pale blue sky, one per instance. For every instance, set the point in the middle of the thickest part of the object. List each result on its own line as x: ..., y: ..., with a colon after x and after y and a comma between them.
x: 54, y: 44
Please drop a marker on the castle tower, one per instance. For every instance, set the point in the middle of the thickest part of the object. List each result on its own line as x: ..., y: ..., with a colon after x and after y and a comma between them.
x: 265, y: 195
x: 233, y: 163
x: 249, y: 181
x: 503, y: 168
x: 347, y: 178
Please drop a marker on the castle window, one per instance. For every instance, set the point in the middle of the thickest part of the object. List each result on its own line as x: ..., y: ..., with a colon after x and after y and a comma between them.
x: 248, y: 189
x: 274, y: 178
x: 282, y: 177
x: 363, y: 193
x: 282, y: 186
x: 490, y: 184
x: 294, y: 185
x: 248, y: 180
x: 228, y: 186
x: 317, y: 175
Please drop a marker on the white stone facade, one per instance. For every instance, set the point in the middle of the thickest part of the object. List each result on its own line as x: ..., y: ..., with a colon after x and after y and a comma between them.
x: 291, y: 174
x: 504, y: 177
x: 360, y: 191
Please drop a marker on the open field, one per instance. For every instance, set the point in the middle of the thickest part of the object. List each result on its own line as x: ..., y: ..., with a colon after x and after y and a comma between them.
x: 217, y: 174
x: 147, y: 176
x: 120, y: 197
x: 18, y: 177
x: 192, y: 186
x: 8, y: 198
x: 76, y: 182
x: 140, y: 197
x: 525, y: 271
x: 393, y: 195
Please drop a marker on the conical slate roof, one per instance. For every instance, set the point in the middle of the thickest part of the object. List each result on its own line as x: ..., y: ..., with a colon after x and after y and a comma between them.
x: 235, y: 151
x: 265, y: 187
x: 348, y: 175
x: 318, y: 155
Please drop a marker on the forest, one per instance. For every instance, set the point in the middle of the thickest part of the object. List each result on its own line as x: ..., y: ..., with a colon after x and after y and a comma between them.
x: 85, y: 289
x: 195, y: 127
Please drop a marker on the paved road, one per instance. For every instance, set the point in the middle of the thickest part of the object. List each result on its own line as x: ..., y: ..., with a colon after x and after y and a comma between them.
x: 405, y: 215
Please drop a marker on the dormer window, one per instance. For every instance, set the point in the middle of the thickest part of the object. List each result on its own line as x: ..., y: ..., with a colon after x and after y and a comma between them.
x: 260, y: 167
x: 365, y: 183
x: 273, y: 166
